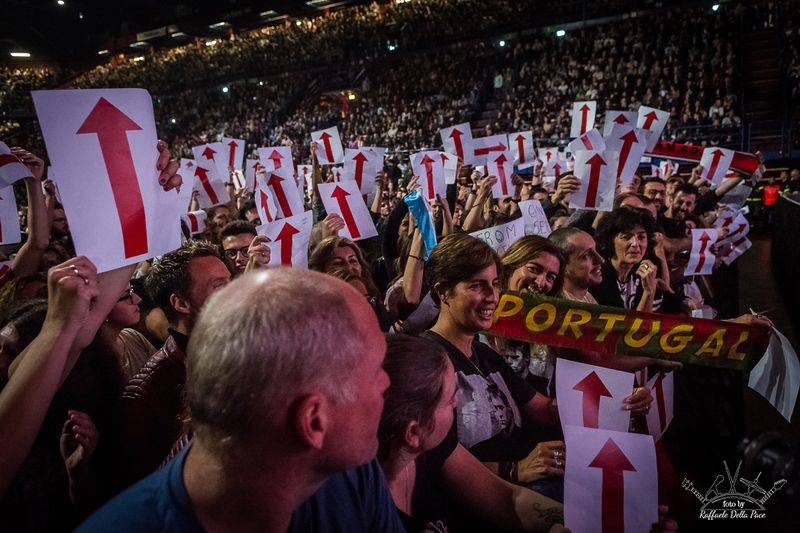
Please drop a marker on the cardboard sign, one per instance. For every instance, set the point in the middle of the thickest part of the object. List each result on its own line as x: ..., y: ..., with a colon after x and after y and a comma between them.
x: 11, y: 168
x: 662, y: 388
x: 591, y: 140
x: 583, y: 114
x: 195, y: 221
x: 428, y: 166
x: 103, y: 143
x: 277, y: 160
x: 483, y: 146
x: 598, y: 174
x: 701, y: 259
x: 621, y: 118
x: 234, y: 152
x: 344, y: 199
x: 521, y: 147
x: 654, y: 121
x: 610, y: 482
x: 715, y: 163
x: 630, y: 143
x: 592, y: 396
x: 500, y: 165
x: 458, y: 140
x: 9, y: 217
x: 210, y: 182
x: 502, y: 236
x: 285, y: 194
x: 536, y: 222
x: 776, y: 377
x: 289, y: 239
x: 328, y: 146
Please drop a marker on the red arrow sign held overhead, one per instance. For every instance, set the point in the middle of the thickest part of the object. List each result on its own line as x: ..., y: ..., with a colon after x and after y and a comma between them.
x: 341, y: 198
x: 232, y: 155
x: 276, y: 159
x: 285, y: 236
x: 488, y: 149
x: 501, y: 173
x: 326, y: 142
x: 704, y: 238
x: 276, y: 182
x: 265, y: 206
x: 584, y: 109
x: 628, y: 141
x: 649, y: 118
x: 427, y: 162
x: 621, y: 119
x: 712, y: 169
x: 658, y: 386
x: 595, y: 163
x: 592, y: 388
x: 521, y: 147
x: 202, y: 174
x: 360, y: 159
x: 111, y: 126
x: 614, y: 464
x: 456, y: 134
x: 208, y: 153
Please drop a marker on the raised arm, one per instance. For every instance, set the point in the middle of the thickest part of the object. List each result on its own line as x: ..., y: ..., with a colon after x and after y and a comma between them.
x: 29, y: 256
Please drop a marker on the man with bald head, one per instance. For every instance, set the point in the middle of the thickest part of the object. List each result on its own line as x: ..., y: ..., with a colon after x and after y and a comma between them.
x: 284, y: 389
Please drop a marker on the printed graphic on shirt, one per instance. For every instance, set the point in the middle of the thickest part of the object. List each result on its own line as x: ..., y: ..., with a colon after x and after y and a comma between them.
x: 485, y: 408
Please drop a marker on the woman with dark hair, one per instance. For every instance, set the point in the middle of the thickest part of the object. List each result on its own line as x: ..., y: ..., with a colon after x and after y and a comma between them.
x: 423, y: 461
x: 499, y: 414
x: 629, y: 280
x: 332, y: 253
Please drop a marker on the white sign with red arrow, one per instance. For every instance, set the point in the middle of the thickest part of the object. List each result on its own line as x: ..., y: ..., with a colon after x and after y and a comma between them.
x: 500, y: 165
x: 715, y: 163
x: 428, y: 166
x: 502, y: 236
x: 630, y: 142
x: 662, y: 388
x: 195, y: 221
x: 701, y: 260
x: 234, y: 152
x: 458, y: 140
x: 304, y: 175
x: 289, y: 238
x: 735, y: 249
x: 251, y: 167
x: 654, y: 121
x: 611, y: 481
x: 360, y: 164
x: 591, y: 396
x: 328, y: 146
x: 484, y: 146
x: 344, y: 199
x: 621, y: 118
x: 555, y: 166
x: 9, y: 217
x: 598, y: 174
x: 213, y: 154
x: 284, y: 192
x: 736, y: 225
x: 263, y: 199
x: 450, y: 163
x: 277, y: 159
x: 103, y: 143
x: 210, y: 182
x: 591, y: 140
x: 11, y: 168
x: 583, y: 114
x: 521, y: 145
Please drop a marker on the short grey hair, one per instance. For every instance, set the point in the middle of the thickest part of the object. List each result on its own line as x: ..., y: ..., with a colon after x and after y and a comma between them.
x: 262, y: 339
x: 561, y: 239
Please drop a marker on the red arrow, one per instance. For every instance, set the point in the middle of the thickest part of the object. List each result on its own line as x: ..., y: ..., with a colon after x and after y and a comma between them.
x: 326, y: 140
x: 521, y: 147
x: 592, y: 388
x: 486, y: 150
x: 547, y: 155
x: 456, y: 134
x: 427, y: 162
x: 621, y: 119
x: 584, y: 109
x: 286, y: 235
x: 717, y: 155
x: 658, y: 386
x: 501, y: 173
x: 360, y: 159
x: 193, y: 226
x: 202, y: 173
x: 595, y: 162
x: 7, y: 159
x: 627, y: 142
x: 704, y: 238
x: 341, y: 198
x: 585, y: 140
x: 275, y: 181
x: 232, y: 154
x: 208, y: 153
x: 648, y: 119
x: 614, y: 464
x: 111, y: 126
x: 276, y: 158
x: 557, y: 169
x: 265, y: 205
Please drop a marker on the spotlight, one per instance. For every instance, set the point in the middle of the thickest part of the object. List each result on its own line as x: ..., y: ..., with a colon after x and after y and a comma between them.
x: 715, y: 7
x: 502, y: 44
x: 225, y: 89
x: 560, y: 33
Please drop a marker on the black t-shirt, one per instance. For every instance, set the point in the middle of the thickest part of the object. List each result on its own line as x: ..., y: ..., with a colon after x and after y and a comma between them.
x: 488, y: 417
x: 427, y: 501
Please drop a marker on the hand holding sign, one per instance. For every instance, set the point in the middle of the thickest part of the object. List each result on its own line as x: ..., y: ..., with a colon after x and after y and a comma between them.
x: 11, y: 167
x: 701, y: 260
x: 499, y: 165
x: 592, y: 396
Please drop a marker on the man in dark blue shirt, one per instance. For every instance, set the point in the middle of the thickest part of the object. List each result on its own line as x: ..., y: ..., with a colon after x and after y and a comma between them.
x: 284, y: 388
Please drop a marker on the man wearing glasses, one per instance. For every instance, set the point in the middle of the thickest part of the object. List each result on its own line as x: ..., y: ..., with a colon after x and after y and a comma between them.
x: 241, y: 247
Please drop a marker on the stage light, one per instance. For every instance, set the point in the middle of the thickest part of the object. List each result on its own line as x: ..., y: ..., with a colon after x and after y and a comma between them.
x: 560, y: 33
x: 715, y: 7
x: 502, y: 43
x: 172, y: 120
x: 20, y: 54
x: 60, y: 2
x: 138, y: 58
x: 102, y: 52
x: 225, y: 89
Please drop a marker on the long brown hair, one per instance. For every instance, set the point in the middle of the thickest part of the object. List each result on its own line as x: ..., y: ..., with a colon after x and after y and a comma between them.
x: 526, y: 249
x: 323, y: 253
